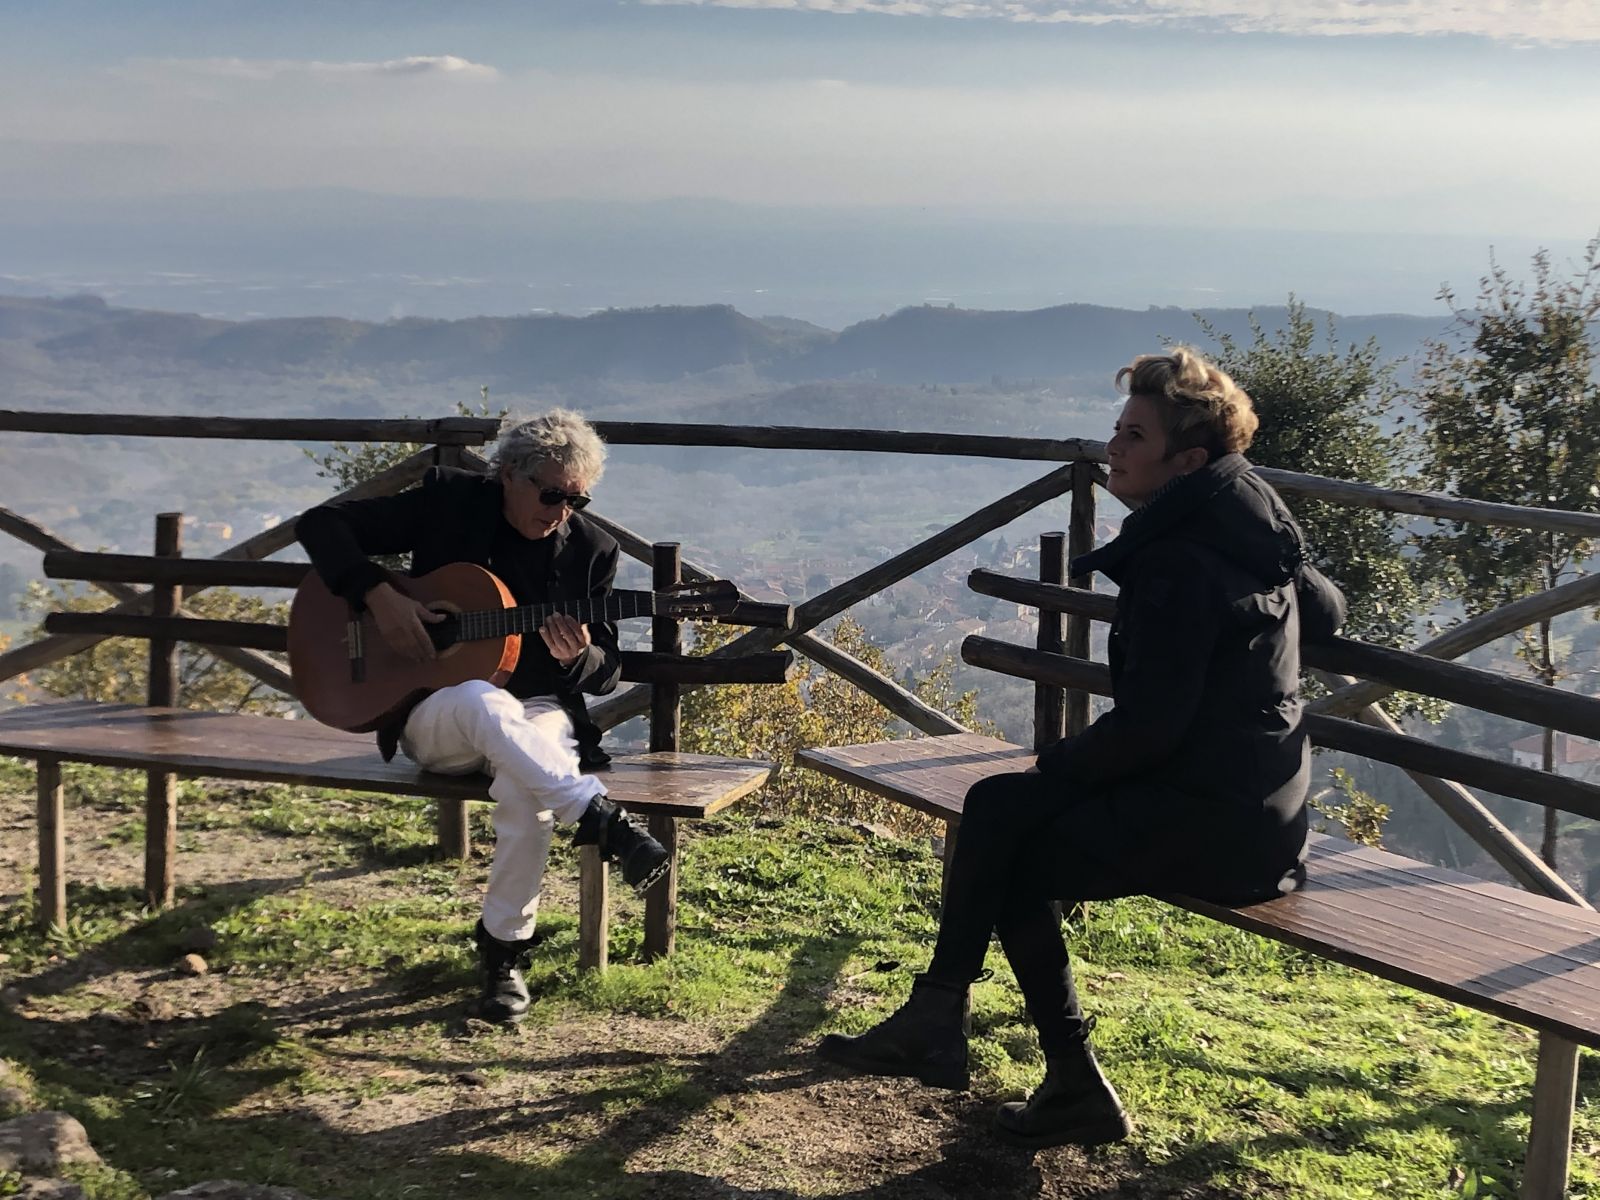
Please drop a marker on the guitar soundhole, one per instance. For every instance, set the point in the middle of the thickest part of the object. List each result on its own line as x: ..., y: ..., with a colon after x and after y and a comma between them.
x: 444, y: 634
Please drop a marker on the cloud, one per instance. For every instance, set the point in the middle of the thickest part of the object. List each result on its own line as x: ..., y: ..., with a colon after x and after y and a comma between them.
x: 438, y: 65
x: 1539, y: 21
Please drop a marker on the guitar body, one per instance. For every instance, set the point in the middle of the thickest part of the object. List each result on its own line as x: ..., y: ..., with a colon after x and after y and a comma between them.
x: 319, y: 649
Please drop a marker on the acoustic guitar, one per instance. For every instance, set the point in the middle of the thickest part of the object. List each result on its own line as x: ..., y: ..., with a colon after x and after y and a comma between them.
x: 348, y: 677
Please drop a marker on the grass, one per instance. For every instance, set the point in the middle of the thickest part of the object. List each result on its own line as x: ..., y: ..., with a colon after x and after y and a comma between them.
x: 327, y: 1049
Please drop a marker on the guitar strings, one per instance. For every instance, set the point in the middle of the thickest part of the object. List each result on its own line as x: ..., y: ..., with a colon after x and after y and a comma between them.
x: 527, y: 618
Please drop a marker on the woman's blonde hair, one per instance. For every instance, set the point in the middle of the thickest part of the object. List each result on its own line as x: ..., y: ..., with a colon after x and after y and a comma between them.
x: 1199, y: 405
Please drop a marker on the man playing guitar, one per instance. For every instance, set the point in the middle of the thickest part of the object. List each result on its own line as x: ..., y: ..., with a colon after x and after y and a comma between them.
x: 523, y: 523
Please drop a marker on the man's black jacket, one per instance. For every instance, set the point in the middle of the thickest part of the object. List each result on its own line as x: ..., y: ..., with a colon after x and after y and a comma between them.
x: 455, y: 516
x: 1203, y: 744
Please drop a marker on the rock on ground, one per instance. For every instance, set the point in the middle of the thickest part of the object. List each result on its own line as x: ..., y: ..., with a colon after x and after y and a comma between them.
x: 50, y: 1189
x: 42, y: 1141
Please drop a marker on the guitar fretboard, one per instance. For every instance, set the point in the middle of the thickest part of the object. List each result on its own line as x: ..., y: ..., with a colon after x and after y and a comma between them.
x: 503, y: 622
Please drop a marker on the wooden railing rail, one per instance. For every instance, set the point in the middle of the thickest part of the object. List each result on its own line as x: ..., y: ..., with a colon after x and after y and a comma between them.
x: 1519, y: 699
x: 1334, y: 733
x: 198, y: 574
x: 254, y: 635
x: 441, y: 431
x: 187, y: 572
x: 451, y: 433
x: 637, y: 666
x: 1469, y: 635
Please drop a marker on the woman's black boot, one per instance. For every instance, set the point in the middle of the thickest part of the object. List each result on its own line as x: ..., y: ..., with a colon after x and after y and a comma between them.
x: 1075, y: 1105
x: 926, y: 1037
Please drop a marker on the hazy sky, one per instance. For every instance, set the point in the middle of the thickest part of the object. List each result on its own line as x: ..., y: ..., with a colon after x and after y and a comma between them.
x: 1399, y: 115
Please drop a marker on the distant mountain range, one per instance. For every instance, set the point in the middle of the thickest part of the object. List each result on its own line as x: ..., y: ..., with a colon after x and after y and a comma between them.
x: 927, y: 344
x: 287, y: 252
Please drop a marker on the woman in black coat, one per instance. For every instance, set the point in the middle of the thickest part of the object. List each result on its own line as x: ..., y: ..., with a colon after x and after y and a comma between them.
x: 1194, y: 781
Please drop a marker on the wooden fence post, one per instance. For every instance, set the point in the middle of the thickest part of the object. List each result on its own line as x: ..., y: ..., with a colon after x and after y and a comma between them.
x: 161, y: 787
x: 452, y: 829
x: 1049, y: 712
x: 666, y: 716
x: 1080, y: 540
x: 52, y: 846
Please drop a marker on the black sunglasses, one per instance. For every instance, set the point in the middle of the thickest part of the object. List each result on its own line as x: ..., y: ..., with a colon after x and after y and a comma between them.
x: 551, y: 497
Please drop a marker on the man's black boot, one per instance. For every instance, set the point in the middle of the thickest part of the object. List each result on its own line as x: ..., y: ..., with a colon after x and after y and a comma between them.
x: 505, y: 992
x: 1075, y: 1105
x: 926, y: 1038
x: 644, y: 861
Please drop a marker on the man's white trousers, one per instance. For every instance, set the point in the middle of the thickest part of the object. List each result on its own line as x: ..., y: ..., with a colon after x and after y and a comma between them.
x: 529, y: 748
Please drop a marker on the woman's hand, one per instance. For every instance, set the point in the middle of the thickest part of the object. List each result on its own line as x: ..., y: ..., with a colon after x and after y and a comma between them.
x: 567, y: 639
x: 400, y: 620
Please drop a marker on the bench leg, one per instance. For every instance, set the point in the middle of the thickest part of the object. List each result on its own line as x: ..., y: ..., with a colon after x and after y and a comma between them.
x: 52, y: 847
x: 593, y: 903
x: 1555, y: 1092
x: 160, y: 838
x: 661, y: 901
x: 454, y: 835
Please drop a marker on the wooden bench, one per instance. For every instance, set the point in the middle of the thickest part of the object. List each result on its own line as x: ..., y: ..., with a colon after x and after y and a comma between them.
x: 664, y: 786
x: 1529, y: 959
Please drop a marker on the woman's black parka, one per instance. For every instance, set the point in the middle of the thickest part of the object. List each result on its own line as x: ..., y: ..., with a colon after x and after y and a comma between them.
x: 1200, y: 768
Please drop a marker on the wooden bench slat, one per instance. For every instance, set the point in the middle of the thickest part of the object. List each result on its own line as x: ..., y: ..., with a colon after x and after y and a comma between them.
x: 1510, y: 915
x: 933, y: 779
x: 1576, y: 1020
x: 1572, y: 957
x: 276, y: 750
x: 1525, y: 900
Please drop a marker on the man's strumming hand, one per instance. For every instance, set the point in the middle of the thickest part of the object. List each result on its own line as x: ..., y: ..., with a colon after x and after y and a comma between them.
x: 400, y: 620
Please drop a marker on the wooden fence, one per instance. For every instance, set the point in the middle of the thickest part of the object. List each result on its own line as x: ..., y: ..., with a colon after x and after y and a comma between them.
x: 1347, y: 719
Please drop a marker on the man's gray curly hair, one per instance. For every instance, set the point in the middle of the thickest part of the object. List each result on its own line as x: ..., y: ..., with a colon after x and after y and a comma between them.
x: 559, y: 436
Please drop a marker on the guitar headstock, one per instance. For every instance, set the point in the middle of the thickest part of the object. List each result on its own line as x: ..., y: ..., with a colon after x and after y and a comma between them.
x: 703, y: 600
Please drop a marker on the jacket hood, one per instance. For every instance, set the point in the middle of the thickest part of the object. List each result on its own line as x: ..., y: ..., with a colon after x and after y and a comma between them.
x: 1225, y: 507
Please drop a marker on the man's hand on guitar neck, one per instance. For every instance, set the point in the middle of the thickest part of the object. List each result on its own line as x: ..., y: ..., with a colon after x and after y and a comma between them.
x: 566, y: 638
x: 400, y: 619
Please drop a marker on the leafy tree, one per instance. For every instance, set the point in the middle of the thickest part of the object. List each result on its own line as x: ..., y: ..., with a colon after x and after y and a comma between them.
x: 1511, y: 412
x: 351, y: 463
x: 1323, y: 412
x: 117, y: 670
x: 1361, y: 815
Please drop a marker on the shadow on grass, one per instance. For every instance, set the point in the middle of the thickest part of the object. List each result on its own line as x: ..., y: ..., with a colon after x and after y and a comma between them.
x: 195, y: 1099
x: 153, y: 940
x: 1487, y: 1135
x: 607, y: 1140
